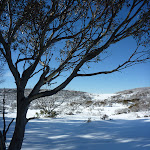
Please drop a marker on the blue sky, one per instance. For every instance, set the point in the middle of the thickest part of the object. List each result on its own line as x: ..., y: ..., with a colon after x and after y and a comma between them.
x: 132, y: 77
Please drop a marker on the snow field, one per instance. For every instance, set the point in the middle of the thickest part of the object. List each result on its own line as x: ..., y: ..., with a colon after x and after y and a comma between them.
x: 66, y: 134
x: 95, y: 124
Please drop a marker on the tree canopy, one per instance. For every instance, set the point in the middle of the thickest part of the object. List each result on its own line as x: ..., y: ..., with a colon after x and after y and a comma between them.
x: 53, y: 37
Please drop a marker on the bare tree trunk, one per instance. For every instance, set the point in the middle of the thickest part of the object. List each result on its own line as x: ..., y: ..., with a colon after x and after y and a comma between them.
x: 21, y: 120
x: 17, y: 139
x: 2, y: 142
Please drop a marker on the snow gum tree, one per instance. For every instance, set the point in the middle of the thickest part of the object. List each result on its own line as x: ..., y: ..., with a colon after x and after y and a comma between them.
x: 53, y: 39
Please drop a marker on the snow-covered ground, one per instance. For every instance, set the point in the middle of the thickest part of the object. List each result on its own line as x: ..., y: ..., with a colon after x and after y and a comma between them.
x: 64, y: 134
x: 102, y: 122
x: 67, y: 134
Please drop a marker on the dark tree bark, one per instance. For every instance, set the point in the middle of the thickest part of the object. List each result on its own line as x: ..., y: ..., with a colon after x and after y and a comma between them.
x: 2, y: 142
x: 21, y: 121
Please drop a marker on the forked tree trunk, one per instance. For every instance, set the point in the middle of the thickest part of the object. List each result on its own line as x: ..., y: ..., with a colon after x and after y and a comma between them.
x: 21, y: 120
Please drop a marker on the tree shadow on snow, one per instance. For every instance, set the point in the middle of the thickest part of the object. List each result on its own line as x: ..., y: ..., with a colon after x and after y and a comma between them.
x: 61, y: 134
x: 57, y: 134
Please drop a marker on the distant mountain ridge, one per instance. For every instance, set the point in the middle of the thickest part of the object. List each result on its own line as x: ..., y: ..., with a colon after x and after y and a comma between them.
x: 136, y: 93
x: 142, y: 89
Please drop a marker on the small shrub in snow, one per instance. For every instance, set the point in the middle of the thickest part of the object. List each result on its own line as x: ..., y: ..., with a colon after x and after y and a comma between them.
x: 105, y: 117
x: 134, y: 107
x: 78, y: 112
x: 137, y: 116
x: 100, y: 103
x: 37, y: 115
x: 52, y: 114
x: 45, y: 113
x: 70, y: 113
x: 122, y: 111
x: 88, y: 103
x: 135, y: 100
x: 146, y: 116
x: 89, y: 120
x: 48, y: 107
x: 125, y: 102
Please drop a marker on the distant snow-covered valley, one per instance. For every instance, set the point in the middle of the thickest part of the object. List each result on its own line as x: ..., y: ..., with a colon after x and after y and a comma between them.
x: 129, y: 104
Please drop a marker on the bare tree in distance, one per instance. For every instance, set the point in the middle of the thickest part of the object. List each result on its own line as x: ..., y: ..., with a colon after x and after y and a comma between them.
x: 57, y: 38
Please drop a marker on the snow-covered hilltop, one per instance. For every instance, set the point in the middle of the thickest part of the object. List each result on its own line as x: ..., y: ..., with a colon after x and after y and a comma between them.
x: 128, y: 104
